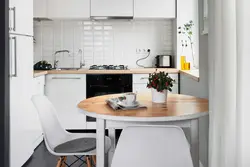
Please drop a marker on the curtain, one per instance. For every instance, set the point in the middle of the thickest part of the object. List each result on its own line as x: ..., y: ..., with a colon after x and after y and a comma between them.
x: 229, y: 83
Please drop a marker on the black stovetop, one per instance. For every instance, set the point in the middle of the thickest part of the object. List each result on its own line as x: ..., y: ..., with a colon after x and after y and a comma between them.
x: 108, y: 67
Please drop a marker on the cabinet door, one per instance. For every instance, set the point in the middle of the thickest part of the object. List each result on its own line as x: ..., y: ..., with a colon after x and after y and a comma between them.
x: 39, y: 84
x: 36, y: 129
x: 65, y: 91
x: 140, y: 88
x: 21, y: 16
x: 112, y: 8
x: 68, y: 8
x: 154, y: 8
x: 140, y: 83
x: 40, y: 8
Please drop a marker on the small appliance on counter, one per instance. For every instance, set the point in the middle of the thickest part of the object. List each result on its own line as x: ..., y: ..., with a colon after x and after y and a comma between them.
x: 42, y: 65
x: 163, y: 61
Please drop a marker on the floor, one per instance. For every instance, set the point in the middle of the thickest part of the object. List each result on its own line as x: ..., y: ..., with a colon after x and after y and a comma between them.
x: 42, y: 158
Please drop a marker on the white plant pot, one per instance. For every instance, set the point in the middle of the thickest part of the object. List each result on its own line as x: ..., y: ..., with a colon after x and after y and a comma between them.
x: 159, y: 97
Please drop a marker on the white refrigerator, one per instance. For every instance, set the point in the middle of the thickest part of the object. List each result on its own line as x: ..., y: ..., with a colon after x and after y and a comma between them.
x: 21, y: 76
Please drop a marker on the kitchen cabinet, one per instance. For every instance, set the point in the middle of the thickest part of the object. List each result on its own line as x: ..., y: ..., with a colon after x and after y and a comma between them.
x: 140, y: 83
x: 65, y: 91
x: 21, y: 17
x: 119, y: 8
x: 40, y: 8
x: 154, y: 8
x: 39, y: 84
x: 68, y: 9
x: 36, y: 129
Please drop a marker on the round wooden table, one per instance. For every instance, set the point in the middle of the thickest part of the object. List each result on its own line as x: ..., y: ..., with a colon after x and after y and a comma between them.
x: 179, y: 110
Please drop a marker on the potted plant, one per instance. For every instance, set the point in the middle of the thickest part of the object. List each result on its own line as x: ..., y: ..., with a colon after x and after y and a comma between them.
x: 160, y: 83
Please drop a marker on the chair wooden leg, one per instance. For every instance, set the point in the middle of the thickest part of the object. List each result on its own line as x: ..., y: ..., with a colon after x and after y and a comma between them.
x: 94, y: 159
x: 59, y: 162
x: 88, y: 161
x: 64, y: 160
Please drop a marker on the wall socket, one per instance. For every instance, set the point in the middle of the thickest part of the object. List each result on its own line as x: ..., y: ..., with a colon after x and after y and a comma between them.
x: 141, y: 50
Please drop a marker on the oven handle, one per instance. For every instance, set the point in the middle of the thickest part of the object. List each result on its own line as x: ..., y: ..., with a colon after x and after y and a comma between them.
x: 101, y: 86
x: 66, y: 78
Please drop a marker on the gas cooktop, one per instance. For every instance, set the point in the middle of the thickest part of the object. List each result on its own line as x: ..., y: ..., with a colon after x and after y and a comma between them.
x: 108, y: 67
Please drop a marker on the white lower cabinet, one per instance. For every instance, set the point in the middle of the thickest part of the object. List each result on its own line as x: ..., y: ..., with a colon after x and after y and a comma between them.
x: 140, y: 83
x: 36, y: 129
x: 65, y: 91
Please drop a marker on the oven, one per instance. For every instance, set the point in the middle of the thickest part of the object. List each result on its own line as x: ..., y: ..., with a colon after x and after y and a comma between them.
x: 102, y: 84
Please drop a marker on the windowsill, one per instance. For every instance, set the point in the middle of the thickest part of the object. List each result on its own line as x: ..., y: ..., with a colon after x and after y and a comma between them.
x: 194, y: 74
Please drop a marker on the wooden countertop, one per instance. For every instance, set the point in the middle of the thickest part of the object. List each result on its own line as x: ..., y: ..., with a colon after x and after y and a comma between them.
x: 39, y: 73
x: 178, y: 107
x: 86, y: 71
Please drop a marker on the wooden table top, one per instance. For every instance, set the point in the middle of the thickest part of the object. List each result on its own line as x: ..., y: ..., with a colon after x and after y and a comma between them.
x: 178, y: 107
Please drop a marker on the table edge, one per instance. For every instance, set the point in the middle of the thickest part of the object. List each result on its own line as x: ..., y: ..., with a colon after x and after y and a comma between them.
x: 144, y: 119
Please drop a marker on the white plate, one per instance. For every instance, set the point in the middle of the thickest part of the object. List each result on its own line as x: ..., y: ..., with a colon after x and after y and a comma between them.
x: 123, y: 104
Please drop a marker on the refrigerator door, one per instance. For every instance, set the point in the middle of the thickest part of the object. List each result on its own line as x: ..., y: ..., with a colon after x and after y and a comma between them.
x: 21, y: 74
x: 21, y: 17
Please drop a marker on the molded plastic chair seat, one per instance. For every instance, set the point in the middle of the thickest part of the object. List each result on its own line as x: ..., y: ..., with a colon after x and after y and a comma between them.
x: 58, y: 141
x: 76, y: 146
x: 149, y: 146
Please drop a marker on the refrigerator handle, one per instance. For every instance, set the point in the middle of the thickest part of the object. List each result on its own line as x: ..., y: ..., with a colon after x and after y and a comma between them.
x: 12, y: 27
x: 13, y: 46
x: 14, y: 18
x: 10, y: 21
x: 10, y: 53
x: 15, y: 56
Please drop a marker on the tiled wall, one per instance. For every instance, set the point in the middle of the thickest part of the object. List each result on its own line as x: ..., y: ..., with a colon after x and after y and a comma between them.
x: 106, y: 42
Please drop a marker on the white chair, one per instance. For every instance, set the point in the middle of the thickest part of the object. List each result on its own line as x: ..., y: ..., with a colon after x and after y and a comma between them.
x: 152, y: 147
x: 61, y: 143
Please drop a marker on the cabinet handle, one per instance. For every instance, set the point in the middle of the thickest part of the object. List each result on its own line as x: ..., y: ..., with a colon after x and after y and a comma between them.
x: 66, y: 78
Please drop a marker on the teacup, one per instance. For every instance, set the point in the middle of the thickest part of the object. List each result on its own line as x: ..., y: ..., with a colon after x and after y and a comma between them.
x: 130, y: 98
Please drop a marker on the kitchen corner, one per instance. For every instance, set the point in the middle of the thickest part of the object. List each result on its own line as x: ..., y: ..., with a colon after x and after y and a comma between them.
x: 193, y: 74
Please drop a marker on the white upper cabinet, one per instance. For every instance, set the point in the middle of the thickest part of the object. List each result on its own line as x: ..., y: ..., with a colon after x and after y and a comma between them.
x: 40, y: 9
x: 122, y: 8
x: 69, y: 9
x: 154, y: 9
x: 21, y: 16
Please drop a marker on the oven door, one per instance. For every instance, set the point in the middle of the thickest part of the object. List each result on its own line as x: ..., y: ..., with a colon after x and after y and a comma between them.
x: 103, y: 84
x: 98, y: 90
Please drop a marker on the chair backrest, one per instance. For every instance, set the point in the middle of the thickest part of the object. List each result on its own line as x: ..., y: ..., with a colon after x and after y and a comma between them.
x: 152, y: 146
x: 53, y: 132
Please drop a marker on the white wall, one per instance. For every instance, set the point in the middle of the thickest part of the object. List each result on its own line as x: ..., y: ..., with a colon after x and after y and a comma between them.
x: 187, y: 10
x: 200, y: 89
x: 103, y: 42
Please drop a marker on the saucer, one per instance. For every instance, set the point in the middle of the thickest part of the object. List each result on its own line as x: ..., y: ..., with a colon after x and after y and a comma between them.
x: 133, y: 105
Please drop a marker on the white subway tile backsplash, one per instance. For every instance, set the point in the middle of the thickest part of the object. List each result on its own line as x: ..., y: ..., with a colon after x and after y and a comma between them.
x: 102, y: 42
